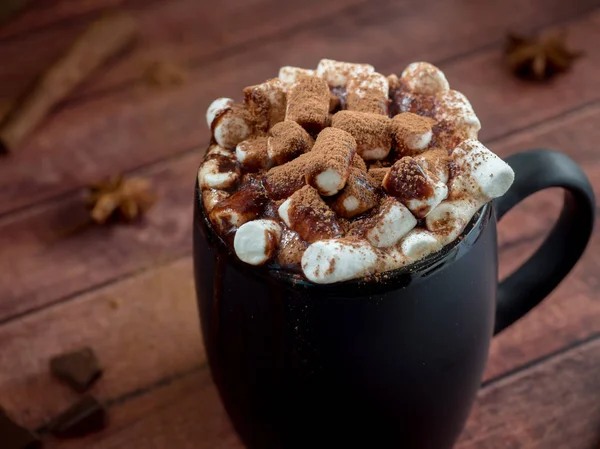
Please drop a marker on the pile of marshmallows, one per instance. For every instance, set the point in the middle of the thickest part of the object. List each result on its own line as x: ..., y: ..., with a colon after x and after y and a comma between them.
x: 306, y: 138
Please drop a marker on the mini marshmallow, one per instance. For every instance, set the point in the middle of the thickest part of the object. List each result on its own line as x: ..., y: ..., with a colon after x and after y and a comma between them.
x: 308, y: 103
x: 218, y: 172
x: 329, y: 161
x: 216, y: 108
x: 252, y: 154
x: 214, y: 150
x: 450, y: 218
x: 307, y: 214
x: 329, y: 261
x: 266, y: 102
x: 283, y: 180
x: 453, y: 107
x: 338, y: 73
x: 230, y: 125
x: 368, y: 93
x: 391, y: 223
x: 424, y: 78
x: 359, y: 162
x: 479, y: 172
x: 255, y: 242
x: 242, y: 206
x: 437, y: 162
x: 358, y: 196
x: 372, y: 132
x: 416, y: 188
x: 412, y: 133
x: 212, y: 197
x: 287, y: 140
x: 377, y: 174
x: 419, y: 243
x: 289, y: 75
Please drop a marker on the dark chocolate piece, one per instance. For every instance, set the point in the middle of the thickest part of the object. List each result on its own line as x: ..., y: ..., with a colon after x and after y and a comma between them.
x: 85, y: 417
x: 13, y: 436
x: 80, y: 369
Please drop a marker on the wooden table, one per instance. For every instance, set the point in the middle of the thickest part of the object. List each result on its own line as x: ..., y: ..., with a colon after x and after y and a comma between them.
x: 127, y: 291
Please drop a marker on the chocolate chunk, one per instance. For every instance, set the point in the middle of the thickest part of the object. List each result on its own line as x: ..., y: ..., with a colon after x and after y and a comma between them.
x: 85, y: 417
x: 13, y: 436
x: 80, y: 369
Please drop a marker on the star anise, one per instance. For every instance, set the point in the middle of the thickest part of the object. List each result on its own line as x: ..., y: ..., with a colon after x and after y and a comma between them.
x: 539, y: 58
x: 121, y: 199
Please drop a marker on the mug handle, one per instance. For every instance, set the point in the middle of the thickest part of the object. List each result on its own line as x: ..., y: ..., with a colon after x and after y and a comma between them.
x: 536, y: 170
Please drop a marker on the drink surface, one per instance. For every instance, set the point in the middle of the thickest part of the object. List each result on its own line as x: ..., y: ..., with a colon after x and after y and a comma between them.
x: 341, y: 172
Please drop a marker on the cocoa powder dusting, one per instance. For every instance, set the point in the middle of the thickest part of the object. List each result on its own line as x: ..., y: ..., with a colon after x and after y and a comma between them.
x: 370, y: 130
x: 377, y: 175
x: 406, y: 180
x: 407, y: 125
x: 334, y: 149
x: 288, y: 140
x: 311, y: 218
x: 283, y: 180
x: 308, y: 103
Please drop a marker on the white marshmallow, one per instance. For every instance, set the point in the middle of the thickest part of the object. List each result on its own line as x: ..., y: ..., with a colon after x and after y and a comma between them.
x: 453, y: 107
x: 329, y: 182
x: 214, y: 150
x: 418, y: 142
x: 417, y: 188
x: 437, y: 162
x: 480, y: 172
x: 392, y: 223
x: 212, y: 197
x: 255, y: 242
x: 252, y: 154
x: 266, y: 102
x: 424, y: 78
x: 284, y: 212
x: 422, y: 207
x: 450, y: 218
x: 368, y: 93
x: 216, y: 108
x: 419, y: 243
x: 288, y: 75
x: 313, y: 220
x: 329, y: 261
x: 231, y: 129
x: 338, y: 73
x: 211, y: 176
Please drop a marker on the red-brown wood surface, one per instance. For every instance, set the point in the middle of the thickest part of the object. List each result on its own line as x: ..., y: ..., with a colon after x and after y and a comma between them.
x: 127, y: 291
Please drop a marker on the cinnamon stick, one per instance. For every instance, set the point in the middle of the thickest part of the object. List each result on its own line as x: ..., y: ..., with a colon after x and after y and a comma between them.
x: 103, y: 39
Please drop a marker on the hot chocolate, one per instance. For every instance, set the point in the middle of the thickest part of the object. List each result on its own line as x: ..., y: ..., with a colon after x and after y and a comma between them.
x: 341, y: 172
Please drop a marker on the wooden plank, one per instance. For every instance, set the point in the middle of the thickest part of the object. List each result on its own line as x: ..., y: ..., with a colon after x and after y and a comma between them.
x: 553, y: 405
x: 44, y: 13
x: 174, y: 30
x: 33, y: 241
x: 143, y: 329
x: 184, y: 414
x: 139, y: 125
x: 362, y: 34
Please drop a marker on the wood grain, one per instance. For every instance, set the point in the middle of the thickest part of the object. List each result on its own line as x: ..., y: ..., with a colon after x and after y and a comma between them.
x: 519, y: 412
x: 140, y: 125
x: 371, y: 32
x: 553, y: 405
x: 143, y: 329
x: 44, y: 13
x: 168, y: 30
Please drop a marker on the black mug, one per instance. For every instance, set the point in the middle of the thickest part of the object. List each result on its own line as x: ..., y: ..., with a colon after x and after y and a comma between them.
x: 387, y: 364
